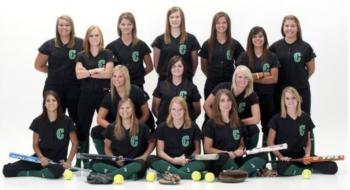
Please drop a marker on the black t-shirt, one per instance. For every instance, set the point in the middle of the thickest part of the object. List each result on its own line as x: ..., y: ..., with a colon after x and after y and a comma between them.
x: 178, y: 142
x: 137, y: 96
x: 167, y: 51
x: 129, y: 146
x: 132, y: 57
x: 243, y: 103
x: 166, y: 91
x: 53, y: 136
x: 261, y: 65
x: 61, y: 61
x: 222, y: 63
x: 293, y: 58
x: 91, y: 62
x: 293, y: 132
x: 224, y: 137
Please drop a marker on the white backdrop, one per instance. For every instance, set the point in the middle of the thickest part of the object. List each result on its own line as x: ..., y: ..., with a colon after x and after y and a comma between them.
x: 24, y: 29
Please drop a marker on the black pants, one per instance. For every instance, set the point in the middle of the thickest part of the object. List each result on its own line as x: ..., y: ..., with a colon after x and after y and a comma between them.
x: 12, y: 169
x: 69, y: 95
x: 267, y: 110
x: 88, y: 103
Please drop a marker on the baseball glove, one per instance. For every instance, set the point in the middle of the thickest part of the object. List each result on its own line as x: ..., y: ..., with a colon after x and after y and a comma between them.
x: 232, y: 176
x: 169, y: 179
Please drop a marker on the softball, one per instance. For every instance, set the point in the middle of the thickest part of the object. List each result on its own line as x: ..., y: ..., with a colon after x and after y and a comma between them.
x: 67, y: 174
x: 209, y: 177
x: 196, y: 176
x: 118, y: 179
x: 306, y: 174
x: 151, y: 176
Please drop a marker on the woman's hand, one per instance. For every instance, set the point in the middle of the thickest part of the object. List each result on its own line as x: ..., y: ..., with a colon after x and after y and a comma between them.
x: 181, y: 160
x: 44, y: 161
x: 67, y: 164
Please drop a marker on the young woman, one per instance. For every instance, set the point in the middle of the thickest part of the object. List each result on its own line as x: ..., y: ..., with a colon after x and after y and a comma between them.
x: 218, y: 53
x: 247, y: 103
x: 129, y: 138
x: 177, y: 139
x: 297, y: 59
x: 293, y: 126
x: 56, y: 57
x: 177, y: 84
x: 223, y: 135
x: 175, y: 41
x: 131, y: 51
x: 52, y: 132
x: 94, y: 68
x: 264, y: 67
x: 120, y: 88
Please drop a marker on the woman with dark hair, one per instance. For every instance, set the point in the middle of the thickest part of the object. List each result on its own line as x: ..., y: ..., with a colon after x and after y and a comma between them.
x: 264, y: 67
x: 293, y: 126
x: 223, y: 135
x: 177, y: 84
x: 94, y: 68
x: 129, y: 138
x: 56, y: 57
x: 52, y: 132
x: 130, y: 51
x: 178, y: 138
x: 218, y: 53
x: 175, y: 41
x: 120, y: 88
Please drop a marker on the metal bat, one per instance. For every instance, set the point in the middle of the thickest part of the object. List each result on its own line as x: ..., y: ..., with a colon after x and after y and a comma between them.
x: 86, y: 156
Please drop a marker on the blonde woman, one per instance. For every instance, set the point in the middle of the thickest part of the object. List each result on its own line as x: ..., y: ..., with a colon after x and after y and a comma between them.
x: 178, y: 138
x: 248, y: 108
x: 293, y: 126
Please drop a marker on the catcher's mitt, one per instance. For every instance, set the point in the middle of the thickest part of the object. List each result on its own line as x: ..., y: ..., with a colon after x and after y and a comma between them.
x: 169, y: 179
x: 232, y: 176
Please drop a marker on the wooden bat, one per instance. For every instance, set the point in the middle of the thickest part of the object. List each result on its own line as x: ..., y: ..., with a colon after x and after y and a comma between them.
x: 33, y: 159
x: 267, y: 149
x: 86, y: 156
x: 313, y: 159
x: 204, y: 157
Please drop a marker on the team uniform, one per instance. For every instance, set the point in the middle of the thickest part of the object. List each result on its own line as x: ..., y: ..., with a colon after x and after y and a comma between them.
x: 137, y: 96
x: 177, y: 142
x: 226, y: 138
x: 92, y: 92
x: 293, y: 59
x: 132, y: 57
x: 61, y: 73
x: 244, y: 111
x: 264, y: 91
x: 175, y: 47
x: 221, y: 64
x: 166, y: 91
x: 294, y: 132
x: 53, y: 144
x: 128, y: 147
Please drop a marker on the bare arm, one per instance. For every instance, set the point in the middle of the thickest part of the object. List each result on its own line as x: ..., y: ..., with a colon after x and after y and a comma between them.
x: 208, y: 105
x: 81, y: 72
x: 155, y: 106
x: 148, y: 62
x: 41, y: 63
x: 196, y: 109
x: 103, y: 73
x: 108, y: 151
x: 267, y: 78
x: 43, y: 160
x: 145, y: 113
x: 101, y: 117
x: 208, y: 147
x: 255, y: 118
x: 162, y: 154
x: 73, y: 150
x: 308, y: 145
x: 156, y: 55
x: 271, y: 141
x: 204, y: 66
x: 194, y: 57
x: 197, y: 147
x: 150, y: 148
x: 310, y: 67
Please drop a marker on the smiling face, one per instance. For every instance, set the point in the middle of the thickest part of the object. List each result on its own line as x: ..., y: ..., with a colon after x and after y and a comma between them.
x: 126, y: 26
x: 125, y: 110
x: 51, y: 103
x: 64, y: 28
x: 177, y: 69
x: 175, y: 20
x: 290, y: 28
x: 258, y: 40
x: 221, y: 25
x: 118, y: 79
x: 177, y: 111
x: 94, y: 37
x: 290, y: 101
x: 241, y: 80
x: 225, y: 103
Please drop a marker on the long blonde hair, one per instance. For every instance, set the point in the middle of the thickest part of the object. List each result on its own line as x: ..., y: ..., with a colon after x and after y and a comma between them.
x: 187, y: 120
x: 119, y: 130
x: 246, y: 72
x: 295, y: 93
x: 217, y: 117
x: 183, y: 35
x: 123, y: 69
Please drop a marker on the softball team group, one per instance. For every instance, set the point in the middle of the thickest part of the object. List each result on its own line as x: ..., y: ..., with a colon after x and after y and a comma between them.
x: 267, y: 84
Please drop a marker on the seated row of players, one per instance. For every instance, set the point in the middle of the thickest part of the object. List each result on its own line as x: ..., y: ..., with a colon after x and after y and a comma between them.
x: 176, y: 139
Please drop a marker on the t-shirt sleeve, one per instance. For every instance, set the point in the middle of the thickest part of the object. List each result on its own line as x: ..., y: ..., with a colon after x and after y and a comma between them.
x: 34, y: 126
x: 197, y: 131
x: 157, y: 42
x: 253, y: 98
x: 146, y: 131
x: 70, y: 125
x: 238, y: 50
x: 45, y: 48
x: 208, y: 129
x: 159, y: 133
x: 195, y: 94
x: 109, y: 56
x: 157, y: 93
x: 145, y: 50
x: 203, y: 52
x: 242, y: 59
x: 108, y: 133
x: 140, y: 97
x: 106, y: 101
x: 310, y: 54
x: 196, y: 45
x: 273, y: 122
